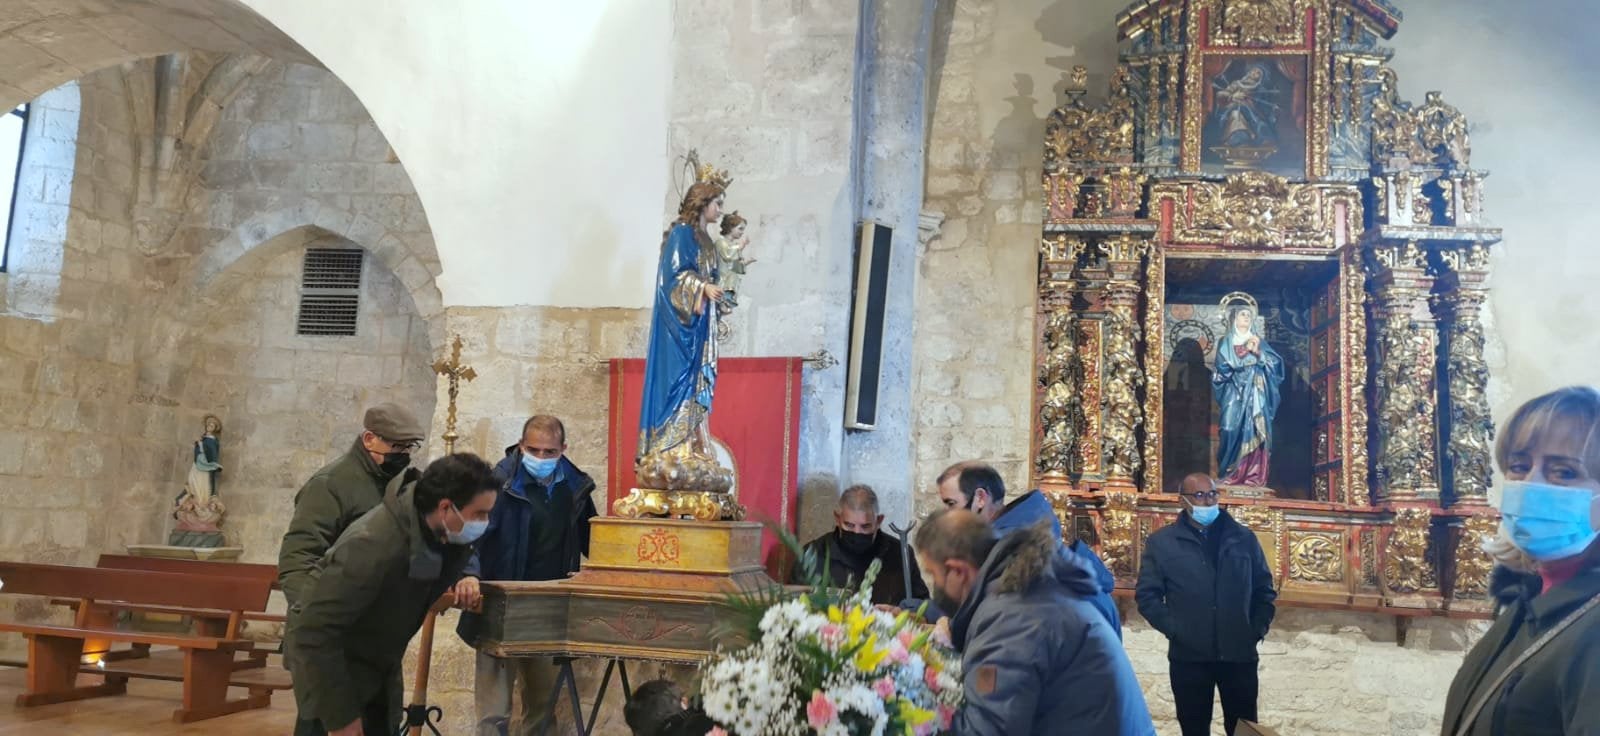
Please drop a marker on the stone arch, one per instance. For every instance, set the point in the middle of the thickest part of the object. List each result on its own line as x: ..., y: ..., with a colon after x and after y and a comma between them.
x: 56, y: 41
x: 268, y: 234
x: 226, y: 344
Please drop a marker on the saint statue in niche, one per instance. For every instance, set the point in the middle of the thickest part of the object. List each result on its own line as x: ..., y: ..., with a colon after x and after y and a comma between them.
x: 199, y: 509
x: 1245, y: 381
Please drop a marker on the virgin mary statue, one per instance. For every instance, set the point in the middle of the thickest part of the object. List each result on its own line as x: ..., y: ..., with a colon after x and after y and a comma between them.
x: 677, y: 473
x: 1246, y: 379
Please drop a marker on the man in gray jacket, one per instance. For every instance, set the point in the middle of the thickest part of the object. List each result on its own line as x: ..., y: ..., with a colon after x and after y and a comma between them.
x: 1036, y: 656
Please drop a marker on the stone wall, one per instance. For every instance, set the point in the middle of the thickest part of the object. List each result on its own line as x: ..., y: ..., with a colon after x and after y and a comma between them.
x: 67, y: 365
x: 293, y: 402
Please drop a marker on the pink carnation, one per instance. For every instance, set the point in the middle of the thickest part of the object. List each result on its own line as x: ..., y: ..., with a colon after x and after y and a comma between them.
x: 820, y: 711
x: 898, y: 653
x: 906, y: 639
x: 930, y: 677
x: 884, y: 688
x: 832, y: 634
x: 716, y: 731
x: 925, y: 729
x: 946, y: 715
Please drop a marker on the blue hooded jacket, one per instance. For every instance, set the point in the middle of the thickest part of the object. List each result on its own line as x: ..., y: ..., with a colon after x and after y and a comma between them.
x: 1033, y: 508
x: 502, y: 553
x: 1036, y: 656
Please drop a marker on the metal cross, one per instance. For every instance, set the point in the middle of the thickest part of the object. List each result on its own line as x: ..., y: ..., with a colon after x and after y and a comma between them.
x: 455, y: 371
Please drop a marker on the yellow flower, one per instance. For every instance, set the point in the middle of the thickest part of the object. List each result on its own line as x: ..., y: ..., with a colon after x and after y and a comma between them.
x: 835, y: 615
x: 912, y: 715
x: 855, y: 623
x: 870, y: 655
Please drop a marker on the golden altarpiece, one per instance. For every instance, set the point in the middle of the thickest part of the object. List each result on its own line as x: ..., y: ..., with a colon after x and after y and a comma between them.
x: 1254, y: 156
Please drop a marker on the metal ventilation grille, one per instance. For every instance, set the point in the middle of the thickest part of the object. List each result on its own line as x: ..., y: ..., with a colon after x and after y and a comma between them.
x: 330, y: 292
x: 332, y: 268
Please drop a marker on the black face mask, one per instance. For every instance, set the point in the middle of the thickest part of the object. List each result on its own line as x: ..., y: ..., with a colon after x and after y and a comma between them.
x: 854, y: 543
x: 394, y: 462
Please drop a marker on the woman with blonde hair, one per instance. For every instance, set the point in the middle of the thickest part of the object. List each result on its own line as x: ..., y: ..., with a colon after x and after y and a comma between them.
x: 1537, y: 670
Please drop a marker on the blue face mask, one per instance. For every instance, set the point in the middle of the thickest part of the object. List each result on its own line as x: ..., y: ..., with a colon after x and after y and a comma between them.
x: 470, y: 530
x: 539, y: 468
x: 1548, y: 522
x: 1204, y: 515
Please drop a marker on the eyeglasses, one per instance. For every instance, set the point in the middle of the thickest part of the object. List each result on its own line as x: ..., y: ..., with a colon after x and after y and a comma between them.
x: 1203, y: 495
x: 411, y: 446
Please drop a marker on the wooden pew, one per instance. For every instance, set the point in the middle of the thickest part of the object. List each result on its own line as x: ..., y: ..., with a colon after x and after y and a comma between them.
x: 206, y: 622
x: 56, y: 653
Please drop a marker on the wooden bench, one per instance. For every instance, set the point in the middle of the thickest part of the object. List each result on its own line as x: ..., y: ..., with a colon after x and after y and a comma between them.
x: 56, y: 654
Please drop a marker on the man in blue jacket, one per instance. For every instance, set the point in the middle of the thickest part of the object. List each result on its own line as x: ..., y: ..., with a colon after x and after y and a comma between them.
x: 977, y: 487
x: 538, y: 531
x: 1036, y: 657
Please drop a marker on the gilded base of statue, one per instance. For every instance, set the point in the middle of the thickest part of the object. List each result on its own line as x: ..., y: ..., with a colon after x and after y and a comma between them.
x: 683, y: 482
x: 644, y: 503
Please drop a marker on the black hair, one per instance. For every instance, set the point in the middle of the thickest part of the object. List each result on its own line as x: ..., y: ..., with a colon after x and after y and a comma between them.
x: 651, y: 705
x: 974, y: 477
x: 458, y: 478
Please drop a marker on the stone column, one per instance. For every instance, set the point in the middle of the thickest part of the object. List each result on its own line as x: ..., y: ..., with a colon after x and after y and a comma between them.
x: 1123, y: 374
x: 891, y: 108
x: 1469, y: 442
x: 1406, y: 341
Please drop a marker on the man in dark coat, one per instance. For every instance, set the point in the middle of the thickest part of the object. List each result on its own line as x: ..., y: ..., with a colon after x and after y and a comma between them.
x: 345, y: 490
x: 347, y: 635
x: 341, y: 492
x: 978, y: 487
x: 1036, y: 656
x: 856, y: 541
x: 539, y: 531
x: 1205, y: 584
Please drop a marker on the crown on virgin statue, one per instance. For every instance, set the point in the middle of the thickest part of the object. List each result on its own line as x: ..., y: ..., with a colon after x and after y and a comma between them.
x: 713, y: 175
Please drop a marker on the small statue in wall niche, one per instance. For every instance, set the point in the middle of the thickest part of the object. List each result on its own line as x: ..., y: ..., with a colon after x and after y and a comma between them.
x: 731, y: 244
x: 199, y: 509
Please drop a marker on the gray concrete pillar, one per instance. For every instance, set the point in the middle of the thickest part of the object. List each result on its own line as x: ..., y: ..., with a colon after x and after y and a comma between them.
x: 891, y: 105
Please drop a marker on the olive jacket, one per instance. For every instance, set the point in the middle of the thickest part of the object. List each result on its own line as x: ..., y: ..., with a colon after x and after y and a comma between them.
x: 330, y: 501
x: 364, y: 601
x: 1557, y: 691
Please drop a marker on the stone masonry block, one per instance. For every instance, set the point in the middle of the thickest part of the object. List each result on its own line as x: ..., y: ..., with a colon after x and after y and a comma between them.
x: 331, y: 141
x: 809, y: 78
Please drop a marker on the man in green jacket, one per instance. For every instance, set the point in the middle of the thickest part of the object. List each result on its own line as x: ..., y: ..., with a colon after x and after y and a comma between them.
x: 343, y: 490
x: 370, y: 594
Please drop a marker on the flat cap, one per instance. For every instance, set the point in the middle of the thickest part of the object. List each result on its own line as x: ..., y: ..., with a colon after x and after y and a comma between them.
x: 393, y: 422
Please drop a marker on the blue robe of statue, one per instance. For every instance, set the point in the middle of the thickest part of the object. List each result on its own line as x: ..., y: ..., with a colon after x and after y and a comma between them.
x: 1246, y: 388
x: 680, y: 371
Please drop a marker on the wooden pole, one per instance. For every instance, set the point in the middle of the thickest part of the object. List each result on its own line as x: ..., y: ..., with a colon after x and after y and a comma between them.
x: 419, y: 692
x: 417, y: 712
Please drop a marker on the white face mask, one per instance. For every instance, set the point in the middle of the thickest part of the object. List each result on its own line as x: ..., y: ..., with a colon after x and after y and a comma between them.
x: 470, y: 530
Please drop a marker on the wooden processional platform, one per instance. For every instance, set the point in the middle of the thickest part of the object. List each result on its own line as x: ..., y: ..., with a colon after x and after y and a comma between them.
x: 652, y: 590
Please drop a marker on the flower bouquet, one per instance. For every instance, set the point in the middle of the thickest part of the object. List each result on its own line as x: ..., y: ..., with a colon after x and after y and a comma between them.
x: 826, y: 663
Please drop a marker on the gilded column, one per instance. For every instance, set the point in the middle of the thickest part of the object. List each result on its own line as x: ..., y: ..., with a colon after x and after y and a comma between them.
x: 1123, y: 377
x: 1406, y: 392
x: 1059, y: 408
x: 1155, y: 363
x: 1469, y: 442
